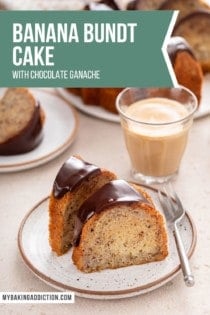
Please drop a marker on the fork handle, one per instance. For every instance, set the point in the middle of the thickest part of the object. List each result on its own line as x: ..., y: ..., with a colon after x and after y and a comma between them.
x: 186, y: 270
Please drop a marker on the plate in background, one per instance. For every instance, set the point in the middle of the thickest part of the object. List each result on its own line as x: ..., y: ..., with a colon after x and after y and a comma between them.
x: 60, y: 128
x: 92, y: 110
x: 99, y: 112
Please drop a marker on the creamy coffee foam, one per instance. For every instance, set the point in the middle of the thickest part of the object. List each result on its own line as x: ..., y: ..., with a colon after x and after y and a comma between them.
x: 155, y: 149
x: 156, y: 111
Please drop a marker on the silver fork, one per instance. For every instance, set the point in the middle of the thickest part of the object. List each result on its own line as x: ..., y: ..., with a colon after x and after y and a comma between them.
x: 174, y: 213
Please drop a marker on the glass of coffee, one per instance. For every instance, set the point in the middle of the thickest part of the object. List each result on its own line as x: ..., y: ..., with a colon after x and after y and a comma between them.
x: 156, y: 123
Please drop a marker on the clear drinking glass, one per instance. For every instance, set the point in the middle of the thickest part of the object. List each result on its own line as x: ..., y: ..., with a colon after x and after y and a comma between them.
x: 156, y: 123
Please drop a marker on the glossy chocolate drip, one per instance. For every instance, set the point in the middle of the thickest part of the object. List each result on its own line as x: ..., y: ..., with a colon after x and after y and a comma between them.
x: 107, y: 4
x: 28, y: 139
x: 111, y: 194
x: 177, y: 44
x: 132, y: 5
x: 110, y: 3
x: 71, y: 174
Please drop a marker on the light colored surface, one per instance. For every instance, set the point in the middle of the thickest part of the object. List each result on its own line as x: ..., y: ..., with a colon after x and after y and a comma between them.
x: 59, y: 117
x: 102, y: 143
x: 61, y: 273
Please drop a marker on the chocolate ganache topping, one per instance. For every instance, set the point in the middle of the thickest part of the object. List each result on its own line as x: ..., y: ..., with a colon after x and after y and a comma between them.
x: 28, y: 139
x: 71, y: 174
x: 111, y: 194
x: 177, y: 44
x: 102, y: 5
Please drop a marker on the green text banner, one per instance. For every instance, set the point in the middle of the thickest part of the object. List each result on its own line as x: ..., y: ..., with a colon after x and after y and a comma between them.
x: 85, y: 48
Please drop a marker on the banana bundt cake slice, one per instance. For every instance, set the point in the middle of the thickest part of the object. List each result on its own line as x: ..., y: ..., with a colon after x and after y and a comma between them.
x: 118, y: 226
x: 21, y: 122
x: 74, y: 183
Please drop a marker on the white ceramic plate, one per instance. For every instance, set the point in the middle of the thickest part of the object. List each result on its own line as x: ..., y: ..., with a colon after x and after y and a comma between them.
x: 60, y: 272
x: 59, y: 132
x: 92, y: 110
x: 101, y: 113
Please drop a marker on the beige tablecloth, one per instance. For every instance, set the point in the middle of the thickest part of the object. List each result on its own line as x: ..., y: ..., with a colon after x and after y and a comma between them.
x: 101, y: 142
